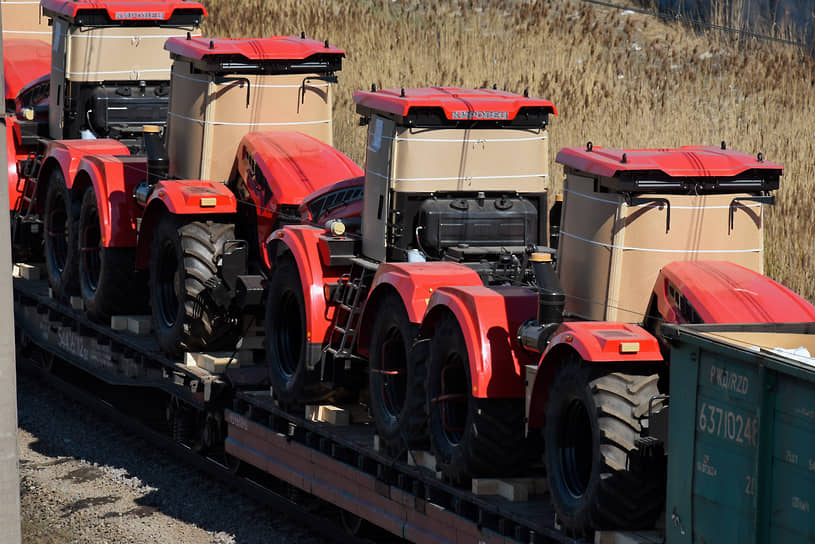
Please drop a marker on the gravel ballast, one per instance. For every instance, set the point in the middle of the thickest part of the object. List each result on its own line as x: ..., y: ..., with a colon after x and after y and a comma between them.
x: 83, y: 481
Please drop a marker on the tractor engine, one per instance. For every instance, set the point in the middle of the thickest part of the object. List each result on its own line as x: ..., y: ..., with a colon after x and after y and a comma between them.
x: 460, y: 180
x: 109, y: 73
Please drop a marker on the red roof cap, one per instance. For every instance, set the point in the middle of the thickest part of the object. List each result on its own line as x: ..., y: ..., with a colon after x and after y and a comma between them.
x: 687, y: 161
x: 123, y: 10
x: 458, y: 104
x: 274, y: 48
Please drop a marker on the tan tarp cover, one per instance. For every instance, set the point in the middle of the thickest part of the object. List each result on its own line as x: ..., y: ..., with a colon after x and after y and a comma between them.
x: 610, y: 253
x: 469, y: 160
x: 105, y: 54
x: 208, y: 117
x: 21, y: 19
x: 116, y: 53
x: 423, y: 160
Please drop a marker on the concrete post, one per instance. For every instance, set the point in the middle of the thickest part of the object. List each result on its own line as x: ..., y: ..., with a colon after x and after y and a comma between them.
x: 10, y: 531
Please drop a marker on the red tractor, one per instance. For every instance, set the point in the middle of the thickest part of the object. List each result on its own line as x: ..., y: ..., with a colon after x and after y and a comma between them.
x: 460, y: 315
x: 454, y: 193
x: 156, y: 214
x: 647, y: 237
x: 105, y: 77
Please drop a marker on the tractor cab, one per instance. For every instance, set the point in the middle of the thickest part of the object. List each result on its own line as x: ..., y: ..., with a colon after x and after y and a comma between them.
x: 628, y: 213
x: 24, y: 21
x: 454, y: 174
x: 223, y: 89
x: 109, y: 73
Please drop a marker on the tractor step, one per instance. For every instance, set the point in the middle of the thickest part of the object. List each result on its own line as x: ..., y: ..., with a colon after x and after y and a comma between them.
x: 350, y: 296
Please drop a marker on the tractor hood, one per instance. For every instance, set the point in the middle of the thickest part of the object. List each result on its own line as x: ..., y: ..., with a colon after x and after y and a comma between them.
x: 292, y: 165
x: 724, y: 292
x: 25, y: 61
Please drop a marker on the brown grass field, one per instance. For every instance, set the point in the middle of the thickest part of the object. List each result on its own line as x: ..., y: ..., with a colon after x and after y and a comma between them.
x: 617, y: 79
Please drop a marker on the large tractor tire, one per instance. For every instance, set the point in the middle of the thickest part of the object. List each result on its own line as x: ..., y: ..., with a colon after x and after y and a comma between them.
x: 592, y: 423
x: 61, y: 227
x: 183, y: 255
x: 396, y: 382
x: 108, y: 282
x: 470, y: 437
x: 285, y: 340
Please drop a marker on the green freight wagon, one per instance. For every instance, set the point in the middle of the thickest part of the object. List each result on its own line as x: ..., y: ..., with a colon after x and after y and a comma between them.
x: 741, y: 463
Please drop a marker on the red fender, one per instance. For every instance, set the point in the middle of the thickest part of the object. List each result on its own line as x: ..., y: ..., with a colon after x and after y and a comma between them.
x: 65, y: 155
x: 15, y: 191
x: 414, y: 283
x: 113, y: 180
x: 194, y: 197
x: 68, y: 153
x: 181, y: 197
x: 592, y: 341
x: 489, y: 318
x: 302, y: 241
x: 723, y: 292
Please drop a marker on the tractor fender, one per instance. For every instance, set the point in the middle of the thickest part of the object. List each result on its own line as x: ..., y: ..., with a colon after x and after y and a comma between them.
x: 14, y: 189
x: 301, y: 242
x: 181, y: 197
x: 66, y: 155
x: 194, y: 197
x: 113, y: 180
x: 593, y: 342
x: 489, y: 318
x: 414, y: 283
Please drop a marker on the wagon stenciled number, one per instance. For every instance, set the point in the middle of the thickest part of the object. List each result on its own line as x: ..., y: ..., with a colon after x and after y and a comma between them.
x: 750, y: 485
x: 728, y: 424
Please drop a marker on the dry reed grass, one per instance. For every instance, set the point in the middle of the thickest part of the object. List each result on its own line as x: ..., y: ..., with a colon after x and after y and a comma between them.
x: 618, y: 79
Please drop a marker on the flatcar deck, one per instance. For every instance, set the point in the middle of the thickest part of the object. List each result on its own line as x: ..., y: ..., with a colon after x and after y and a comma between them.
x: 337, y: 463
x: 341, y: 465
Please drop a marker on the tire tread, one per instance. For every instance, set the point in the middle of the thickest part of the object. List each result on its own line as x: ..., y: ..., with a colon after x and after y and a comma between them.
x: 201, y: 243
x: 616, y: 496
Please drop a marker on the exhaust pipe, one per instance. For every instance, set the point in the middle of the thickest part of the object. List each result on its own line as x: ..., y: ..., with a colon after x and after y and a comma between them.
x: 158, y: 164
x: 535, y: 333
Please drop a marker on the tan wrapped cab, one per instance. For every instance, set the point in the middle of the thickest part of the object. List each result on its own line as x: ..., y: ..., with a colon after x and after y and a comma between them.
x: 457, y: 174
x: 223, y: 89
x: 109, y: 71
x: 22, y: 19
x: 628, y: 213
